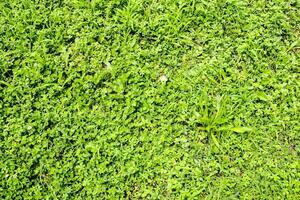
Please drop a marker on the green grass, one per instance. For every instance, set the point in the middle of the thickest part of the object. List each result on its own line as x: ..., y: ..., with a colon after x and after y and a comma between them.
x: 149, y: 99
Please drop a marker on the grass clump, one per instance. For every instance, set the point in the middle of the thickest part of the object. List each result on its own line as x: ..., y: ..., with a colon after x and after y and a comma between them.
x: 149, y: 99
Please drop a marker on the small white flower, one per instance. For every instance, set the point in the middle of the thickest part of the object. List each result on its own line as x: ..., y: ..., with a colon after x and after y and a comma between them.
x: 108, y: 66
x: 163, y: 78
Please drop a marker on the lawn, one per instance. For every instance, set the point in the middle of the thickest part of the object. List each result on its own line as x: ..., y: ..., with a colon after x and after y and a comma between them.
x: 149, y: 99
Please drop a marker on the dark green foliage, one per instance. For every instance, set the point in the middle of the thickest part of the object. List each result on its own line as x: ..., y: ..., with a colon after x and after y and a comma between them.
x: 149, y: 99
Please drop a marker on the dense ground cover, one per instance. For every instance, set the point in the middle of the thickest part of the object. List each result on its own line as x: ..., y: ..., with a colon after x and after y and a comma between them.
x: 156, y: 99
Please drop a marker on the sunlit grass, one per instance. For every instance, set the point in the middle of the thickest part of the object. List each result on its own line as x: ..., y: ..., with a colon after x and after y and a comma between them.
x: 149, y: 99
